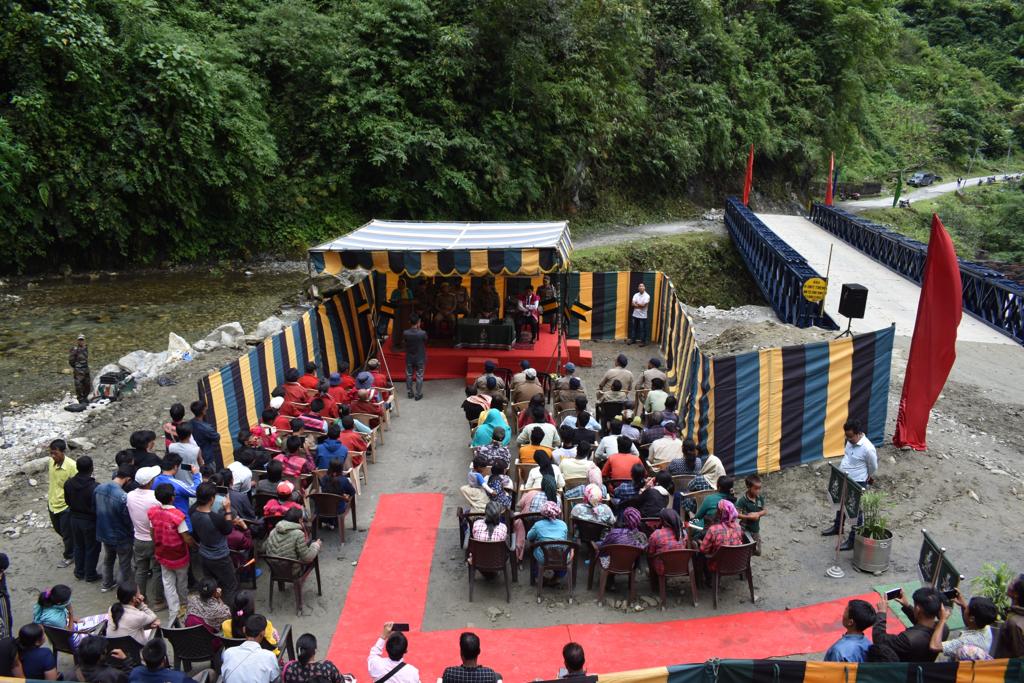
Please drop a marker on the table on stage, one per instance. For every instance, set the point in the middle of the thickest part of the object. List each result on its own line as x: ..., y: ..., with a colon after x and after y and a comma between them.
x: 403, y: 311
x: 485, y: 334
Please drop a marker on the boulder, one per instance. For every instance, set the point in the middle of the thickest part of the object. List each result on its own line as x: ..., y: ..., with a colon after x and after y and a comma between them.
x: 203, y: 345
x: 84, y: 444
x: 227, y: 331
x: 177, y: 344
x: 35, y: 466
x: 268, y: 327
x: 134, y: 360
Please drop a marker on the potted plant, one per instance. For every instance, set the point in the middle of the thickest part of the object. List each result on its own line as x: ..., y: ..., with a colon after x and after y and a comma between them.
x: 872, y: 543
x: 992, y: 584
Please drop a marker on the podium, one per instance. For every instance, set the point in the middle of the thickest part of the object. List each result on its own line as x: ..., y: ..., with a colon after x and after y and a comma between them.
x: 403, y: 311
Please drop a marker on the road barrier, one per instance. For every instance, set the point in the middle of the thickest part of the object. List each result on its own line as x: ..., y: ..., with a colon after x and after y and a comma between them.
x: 988, y: 296
x: 780, y: 272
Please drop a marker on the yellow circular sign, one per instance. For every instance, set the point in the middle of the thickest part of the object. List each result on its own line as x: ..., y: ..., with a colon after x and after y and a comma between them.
x: 814, y: 289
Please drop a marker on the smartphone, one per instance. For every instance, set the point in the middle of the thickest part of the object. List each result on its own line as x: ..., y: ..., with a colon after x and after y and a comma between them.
x: 893, y: 594
x: 951, y: 593
x: 399, y: 628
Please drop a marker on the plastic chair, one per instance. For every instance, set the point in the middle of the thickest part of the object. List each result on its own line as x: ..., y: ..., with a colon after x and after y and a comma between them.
x: 489, y: 556
x: 328, y: 508
x: 677, y: 563
x: 589, y: 535
x: 622, y: 559
x: 245, y: 564
x: 559, y: 556
x: 191, y: 644
x: 129, y: 646
x: 607, y: 411
x: 732, y: 560
x: 375, y: 430
x: 389, y: 394
x: 284, y: 570
x: 61, y: 639
x: 681, y: 482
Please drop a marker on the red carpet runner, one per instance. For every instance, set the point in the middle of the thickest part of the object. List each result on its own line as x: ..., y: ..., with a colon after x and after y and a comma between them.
x: 391, y: 580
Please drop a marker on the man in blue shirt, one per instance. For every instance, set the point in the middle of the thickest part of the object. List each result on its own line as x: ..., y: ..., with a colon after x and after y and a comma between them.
x: 860, y: 462
x: 114, y: 528
x: 206, y: 437
x: 182, y: 492
x: 858, y: 617
x: 155, y: 668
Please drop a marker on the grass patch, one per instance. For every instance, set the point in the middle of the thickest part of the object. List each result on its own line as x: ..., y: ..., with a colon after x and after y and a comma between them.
x: 615, y: 211
x: 705, y: 268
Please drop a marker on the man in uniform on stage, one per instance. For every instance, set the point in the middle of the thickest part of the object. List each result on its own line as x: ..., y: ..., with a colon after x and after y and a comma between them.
x: 78, y: 359
x: 488, y: 303
x: 445, y: 305
x: 529, y: 311
x: 544, y: 292
x: 461, y: 298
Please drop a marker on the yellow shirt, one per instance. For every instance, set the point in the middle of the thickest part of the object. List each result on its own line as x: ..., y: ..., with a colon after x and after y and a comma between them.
x: 58, y: 475
x: 269, y: 634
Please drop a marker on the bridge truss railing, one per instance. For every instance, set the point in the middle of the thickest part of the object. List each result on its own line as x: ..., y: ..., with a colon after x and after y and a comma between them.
x: 988, y: 296
x: 780, y: 272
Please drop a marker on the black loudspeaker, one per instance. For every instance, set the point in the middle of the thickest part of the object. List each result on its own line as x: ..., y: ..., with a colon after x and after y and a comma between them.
x: 853, y: 300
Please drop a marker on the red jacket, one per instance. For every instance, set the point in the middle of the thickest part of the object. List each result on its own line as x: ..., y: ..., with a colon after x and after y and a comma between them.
x: 309, y: 381
x: 353, y: 440
x: 168, y: 545
x: 293, y: 393
x: 366, y: 407
x: 330, y: 406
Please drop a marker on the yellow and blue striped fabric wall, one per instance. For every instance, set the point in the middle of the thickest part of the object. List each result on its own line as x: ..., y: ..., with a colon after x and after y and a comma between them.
x: 334, y: 331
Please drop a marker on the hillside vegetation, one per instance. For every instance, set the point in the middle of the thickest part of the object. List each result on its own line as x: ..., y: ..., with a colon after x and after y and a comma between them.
x: 138, y: 131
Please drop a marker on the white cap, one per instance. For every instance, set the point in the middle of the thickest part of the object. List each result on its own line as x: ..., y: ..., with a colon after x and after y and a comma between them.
x: 144, y: 475
x: 277, y: 402
x: 530, y: 373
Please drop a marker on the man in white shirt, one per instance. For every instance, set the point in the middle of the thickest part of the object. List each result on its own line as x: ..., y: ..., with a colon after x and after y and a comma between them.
x: 191, y: 456
x: 139, y: 502
x: 391, y: 668
x: 860, y: 462
x: 638, y: 321
x: 249, y: 662
x: 610, y: 443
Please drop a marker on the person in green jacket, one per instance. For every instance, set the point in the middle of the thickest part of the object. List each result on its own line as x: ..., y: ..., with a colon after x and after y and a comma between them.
x: 709, y: 506
x: 288, y: 540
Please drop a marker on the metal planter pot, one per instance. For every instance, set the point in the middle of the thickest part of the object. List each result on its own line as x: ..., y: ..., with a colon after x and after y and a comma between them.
x: 871, y: 555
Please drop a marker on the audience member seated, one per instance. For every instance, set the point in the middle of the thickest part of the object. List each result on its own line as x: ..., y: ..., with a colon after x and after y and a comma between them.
x: 380, y: 380
x: 277, y: 507
x: 282, y: 420
x: 626, y: 532
x: 724, y: 531
x: 310, y: 380
x: 978, y: 615
x: 490, y: 527
x: 666, y: 449
x: 689, y: 463
x: 654, y: 430
x: 530, y: 412
x: 95, y: 666
x: 475, y: 404
x: 331, y: 448
x: 495, y: 451
x: 853, y: 646
x: 563, y: 382
x: 364, y: 404
x: 485, y: 386
x: 353, y: 439
x: 288, y: 540
x: 305, y: 669
x: 548, y: 528
x: 268, y: 484
x: 572, y: 390
x: 475, y: 490
x: 314, y: 418
x: 539, y: 420
x: 617, y: 372
x: 491, y: 419
x: 533, y: 501
x: 593, y: 507
x: 500, y: 483
x: 38, y: 662
x: 53, y: 608
x: 652, y: 372
x: 10, y: 662
x: 206, y: 607
x: 249, y: 662
x: 670, y: 536
x: 293, y: 393
x: 567, y: 450
x: 575, y: 661
x: 632, y: 487
x: 615, y: 393
x: 156, y: 669
x: 245, y: 607
x: 654, y: 496
x: 619, y: 464
x: 656, y: 397
x: 913, y: 644
x: 330, y: 409
x: 528, y: 388
x: 582, y: 419
x: 545, y: 467
x: 396, y: 645
x: 529, y: 452
x: 705, y: 514
x: 253, y: 453
x: 335, y: 481
x: 292, y: 460
x: 1011, y: 635
x: 340, y: 386
x: 670, y: 414
x: 130, y: 616
x: 469, y: 671
x: 610, y: 443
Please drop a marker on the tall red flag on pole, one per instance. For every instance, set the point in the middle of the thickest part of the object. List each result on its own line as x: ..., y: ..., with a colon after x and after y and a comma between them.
x: 749, y: 180
x: 933, y: 347
x: 831, y: 172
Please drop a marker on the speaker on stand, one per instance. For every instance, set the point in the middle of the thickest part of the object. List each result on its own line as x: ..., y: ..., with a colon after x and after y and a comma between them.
x: 853, y: 300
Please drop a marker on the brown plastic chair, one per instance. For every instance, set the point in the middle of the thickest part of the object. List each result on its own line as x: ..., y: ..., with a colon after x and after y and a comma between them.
x: 677, y: 563
x: 328, y: 508
x: 489, y: 556
x: 733, y: 560
x: 284, y: 570
x: 190, y: 644
x: 589, y: 534
x: 567, y: 505
x: 61, y: 639
x: 622, y: 559
x: 559, y: 556
x: 245, y: 564
x: 522, y: 473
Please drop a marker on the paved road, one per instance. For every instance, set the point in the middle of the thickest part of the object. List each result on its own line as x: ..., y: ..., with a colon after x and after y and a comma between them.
x: 930, y: 192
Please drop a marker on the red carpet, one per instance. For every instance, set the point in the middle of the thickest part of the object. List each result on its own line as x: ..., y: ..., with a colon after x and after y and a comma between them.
x: 452, y: 363
x: 391, y: 580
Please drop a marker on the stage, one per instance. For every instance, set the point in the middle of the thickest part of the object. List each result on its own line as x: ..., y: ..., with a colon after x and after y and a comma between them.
x: 447, y: 362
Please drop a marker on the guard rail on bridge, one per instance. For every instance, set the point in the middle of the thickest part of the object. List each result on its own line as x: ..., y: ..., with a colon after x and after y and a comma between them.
x: 988, y: 296
x: 780, y: 272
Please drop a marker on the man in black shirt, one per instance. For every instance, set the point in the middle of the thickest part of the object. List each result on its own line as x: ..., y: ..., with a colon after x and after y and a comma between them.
x: 913, y: 645
x: 211, y: 529
x: 415, y: 356
x: 469, y: 671
x: 78, y: 494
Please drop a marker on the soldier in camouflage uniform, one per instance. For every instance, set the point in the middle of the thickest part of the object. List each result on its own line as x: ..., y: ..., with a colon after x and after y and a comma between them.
x: 78, y: 359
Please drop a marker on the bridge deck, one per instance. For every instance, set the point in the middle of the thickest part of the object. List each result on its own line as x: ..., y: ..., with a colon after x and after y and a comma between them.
x: 891, y: 297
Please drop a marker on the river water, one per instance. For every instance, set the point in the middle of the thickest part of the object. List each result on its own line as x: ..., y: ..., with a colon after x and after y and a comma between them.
x: 119, y: 314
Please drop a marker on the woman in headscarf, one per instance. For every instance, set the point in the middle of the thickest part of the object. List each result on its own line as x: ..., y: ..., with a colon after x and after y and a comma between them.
x: 725, y: 531
x: 626, y: 532
x: 533, y: 501
x: 490, y: 528
x: 548, y: 528
x: 593, y: 509
x: 654, y: 496
x: 711, y: 469
x: 671, y: 536
x: 491, y: 419
x: 545, y: 468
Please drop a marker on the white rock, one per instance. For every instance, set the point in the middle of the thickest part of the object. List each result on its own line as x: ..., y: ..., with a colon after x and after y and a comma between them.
x: 33, y: 482
x: 35, y: 466
x: 974, y: 496
x: 81, y: 443
x: 134, y: 360
x: 268, y: 327
x: 203, y: 345
x: 230, y: 330
x: 177, y: 344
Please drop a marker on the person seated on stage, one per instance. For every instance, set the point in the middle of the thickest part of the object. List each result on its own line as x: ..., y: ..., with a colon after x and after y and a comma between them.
x: 610, y: 443
x: 330, y: 411
x: 656, y: 397
x: 615, y: 394
x: 528, y: 452
x: 653, y: 370
x: 581, y: 410
x: 481, y: 382
x: 475, y: 404
x: 401, y: 292
x: 536, y: 404
x: 618, y: 372
x: 380, y: 380
x: 667, y: 448
x: 562, y: 383
x: 551, y: 438
x: 620, y: 464
x: 689, y: 463
x: 461, y: 297
x: 528, y: 388
x: 528, y: 306
x: 495, y: 451
x: 488, y: 303
x: 544, y: 292
x: 520, y: 376
x: 573, y: 390
x: 310, y: 380
x: 445, y: 305
x: 365, y: 404
x: 293, y: 393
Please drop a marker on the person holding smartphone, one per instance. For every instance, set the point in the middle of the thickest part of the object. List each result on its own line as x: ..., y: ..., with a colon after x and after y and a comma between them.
x: 914, y: 644
x: 978, y: 615
x: 392, y: 667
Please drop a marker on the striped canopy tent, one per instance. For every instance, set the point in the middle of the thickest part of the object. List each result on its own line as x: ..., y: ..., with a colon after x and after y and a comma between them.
x: 426, y: 249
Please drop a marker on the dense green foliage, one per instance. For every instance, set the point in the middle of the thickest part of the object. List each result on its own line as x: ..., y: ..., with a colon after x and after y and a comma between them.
x: 985, y: 222
x: 142, y: 130
x: 705, y: 268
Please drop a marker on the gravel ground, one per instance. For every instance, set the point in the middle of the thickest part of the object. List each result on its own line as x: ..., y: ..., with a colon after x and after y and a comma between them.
x: 975, y: 448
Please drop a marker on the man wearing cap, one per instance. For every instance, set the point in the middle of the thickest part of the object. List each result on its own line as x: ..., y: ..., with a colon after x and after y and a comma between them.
x: 379, y: 378
x: 528, y: 388
x: 563, y: 382
x: 574, y: 388
x: 617, y: 372
x: 481, y: 381
x: 520, y: 376
x: 78, y: 359
x: 653, y: 371
x: 638, y: 320
x: 139, y: 502
x: 282, y: 422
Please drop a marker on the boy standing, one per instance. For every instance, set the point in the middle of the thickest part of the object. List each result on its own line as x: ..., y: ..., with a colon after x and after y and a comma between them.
x: 171, y: 540
x: 750, y: 507
x: 858, y: 617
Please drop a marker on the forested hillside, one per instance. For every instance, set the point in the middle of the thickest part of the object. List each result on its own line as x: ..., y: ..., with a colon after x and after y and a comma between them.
x: 137, y: 131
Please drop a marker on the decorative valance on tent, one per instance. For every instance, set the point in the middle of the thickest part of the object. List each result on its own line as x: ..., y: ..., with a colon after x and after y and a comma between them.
x: 420, y: 249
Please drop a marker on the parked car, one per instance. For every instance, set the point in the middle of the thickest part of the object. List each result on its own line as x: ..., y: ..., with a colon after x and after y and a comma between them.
x: 923, y: 179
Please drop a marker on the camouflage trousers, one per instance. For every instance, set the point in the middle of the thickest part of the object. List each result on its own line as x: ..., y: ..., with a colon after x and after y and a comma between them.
x: 83, y: 386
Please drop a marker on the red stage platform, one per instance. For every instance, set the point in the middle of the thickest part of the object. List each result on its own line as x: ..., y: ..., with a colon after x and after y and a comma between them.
x: 451, y: 363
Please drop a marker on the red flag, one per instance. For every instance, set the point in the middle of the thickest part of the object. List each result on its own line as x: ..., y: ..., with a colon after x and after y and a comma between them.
x: 831, y: 171
x: 749, y: 180
x: 933, y: 347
